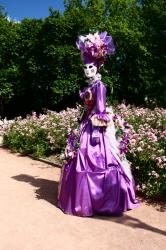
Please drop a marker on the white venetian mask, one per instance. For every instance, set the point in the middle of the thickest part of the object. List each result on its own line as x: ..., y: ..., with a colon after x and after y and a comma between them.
x: 90, y: 70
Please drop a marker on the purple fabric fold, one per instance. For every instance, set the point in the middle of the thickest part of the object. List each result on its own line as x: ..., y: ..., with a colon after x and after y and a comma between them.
x: 101, y: 102
x: 100, y: 97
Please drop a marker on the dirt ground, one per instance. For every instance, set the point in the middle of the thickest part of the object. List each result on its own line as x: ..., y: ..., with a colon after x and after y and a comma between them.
x: 30, y: 219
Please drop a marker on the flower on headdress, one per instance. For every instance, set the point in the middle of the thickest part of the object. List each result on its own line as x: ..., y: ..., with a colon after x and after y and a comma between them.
x: 95, y: 47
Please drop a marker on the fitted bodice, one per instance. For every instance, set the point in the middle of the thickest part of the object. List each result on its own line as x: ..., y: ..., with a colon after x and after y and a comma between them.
x: 88, y: 96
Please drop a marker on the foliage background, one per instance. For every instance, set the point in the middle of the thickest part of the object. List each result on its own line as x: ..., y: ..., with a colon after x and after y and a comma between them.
x: 40, y: 66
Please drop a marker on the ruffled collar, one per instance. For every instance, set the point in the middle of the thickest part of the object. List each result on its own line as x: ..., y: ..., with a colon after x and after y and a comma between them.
x: 91, y: 81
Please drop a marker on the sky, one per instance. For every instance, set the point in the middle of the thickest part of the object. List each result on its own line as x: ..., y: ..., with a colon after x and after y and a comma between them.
x: 19, y: 9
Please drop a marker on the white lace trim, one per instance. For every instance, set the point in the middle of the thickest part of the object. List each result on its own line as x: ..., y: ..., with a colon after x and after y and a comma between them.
x: 92, y: 80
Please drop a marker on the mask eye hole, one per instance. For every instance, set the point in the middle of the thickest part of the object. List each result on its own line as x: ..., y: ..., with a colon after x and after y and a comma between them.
x: 85, y: 67
x: 91, y: 66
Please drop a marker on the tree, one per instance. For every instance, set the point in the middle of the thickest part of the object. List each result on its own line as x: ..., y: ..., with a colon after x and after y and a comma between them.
x: 154, y: 16
x: 8, y: 69
x: 40, y: 66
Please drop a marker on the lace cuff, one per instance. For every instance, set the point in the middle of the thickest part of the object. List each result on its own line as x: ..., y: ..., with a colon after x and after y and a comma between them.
x: 100, y: 120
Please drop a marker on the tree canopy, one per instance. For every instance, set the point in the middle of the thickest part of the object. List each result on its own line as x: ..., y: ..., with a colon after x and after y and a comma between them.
x: 40, y: 66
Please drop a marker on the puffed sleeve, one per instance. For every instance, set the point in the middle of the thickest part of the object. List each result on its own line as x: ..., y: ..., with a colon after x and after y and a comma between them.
x: 100, y: 118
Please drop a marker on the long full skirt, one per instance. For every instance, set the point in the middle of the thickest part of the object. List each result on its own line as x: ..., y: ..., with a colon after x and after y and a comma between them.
x: 94, y: 181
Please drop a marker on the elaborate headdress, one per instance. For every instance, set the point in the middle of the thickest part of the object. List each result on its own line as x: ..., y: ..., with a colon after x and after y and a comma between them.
x: 95, y: 47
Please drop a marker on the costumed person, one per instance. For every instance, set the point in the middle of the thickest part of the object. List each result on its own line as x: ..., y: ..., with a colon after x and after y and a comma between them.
x: 96, y: 179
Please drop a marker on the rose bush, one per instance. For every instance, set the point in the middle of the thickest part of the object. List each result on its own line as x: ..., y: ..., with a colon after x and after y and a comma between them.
x: 47, y: 134
x: 40, y: 135
x: 147, y: 148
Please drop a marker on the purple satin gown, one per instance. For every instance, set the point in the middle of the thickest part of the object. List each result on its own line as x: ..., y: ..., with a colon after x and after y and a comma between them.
x: 94, y: 181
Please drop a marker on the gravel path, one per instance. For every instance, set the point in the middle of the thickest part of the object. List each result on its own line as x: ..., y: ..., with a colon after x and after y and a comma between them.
x: 30, y: 220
